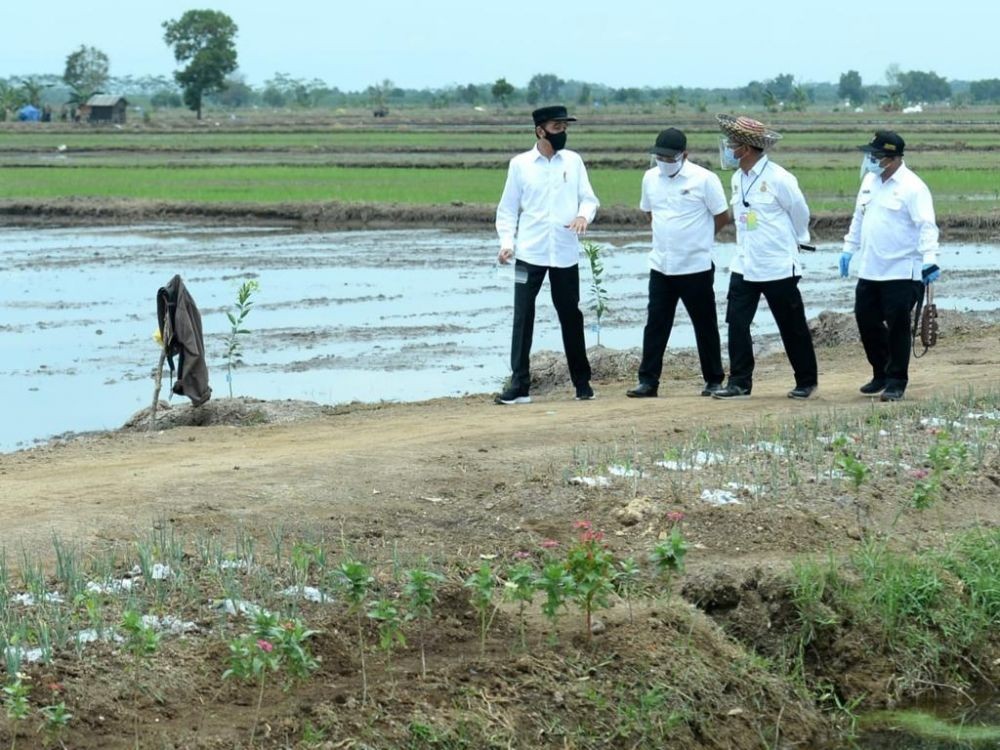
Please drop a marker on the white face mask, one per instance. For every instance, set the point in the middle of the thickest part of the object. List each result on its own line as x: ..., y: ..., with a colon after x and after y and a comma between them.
x: 670, y: 168
x: 726, y: 156
x: 870, y: 164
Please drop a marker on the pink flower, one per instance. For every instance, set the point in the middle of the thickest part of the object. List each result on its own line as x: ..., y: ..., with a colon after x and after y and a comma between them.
x: 920, y: 473
x: 585, y: 525
x: 592, y: 536
x: 675, y: 516
x: 521, y: 555
x: 549, y: 543
x: 265, y: 646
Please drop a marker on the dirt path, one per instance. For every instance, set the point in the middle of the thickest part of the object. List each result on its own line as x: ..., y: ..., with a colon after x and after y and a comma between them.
x: 441, y: 474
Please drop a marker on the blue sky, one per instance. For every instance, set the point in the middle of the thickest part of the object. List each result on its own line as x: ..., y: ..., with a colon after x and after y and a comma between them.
x: 437, y: 43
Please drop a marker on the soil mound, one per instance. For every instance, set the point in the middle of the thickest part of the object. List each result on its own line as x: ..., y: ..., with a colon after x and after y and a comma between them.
x: 234, y: 412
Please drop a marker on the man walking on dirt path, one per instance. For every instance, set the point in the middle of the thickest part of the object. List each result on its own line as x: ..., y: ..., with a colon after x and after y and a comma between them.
x: 547, y: 203
x: 686, y: 206
x: 772, y: 221
x: 895, y: 230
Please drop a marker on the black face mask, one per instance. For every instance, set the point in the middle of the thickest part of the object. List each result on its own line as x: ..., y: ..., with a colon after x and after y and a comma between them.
x: 556, y: 140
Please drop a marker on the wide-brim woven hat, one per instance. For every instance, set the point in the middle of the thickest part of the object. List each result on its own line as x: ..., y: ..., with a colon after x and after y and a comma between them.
x: 746, y: 130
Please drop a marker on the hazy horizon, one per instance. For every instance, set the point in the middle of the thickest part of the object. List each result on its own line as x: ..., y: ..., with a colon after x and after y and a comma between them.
x: 445, y: 42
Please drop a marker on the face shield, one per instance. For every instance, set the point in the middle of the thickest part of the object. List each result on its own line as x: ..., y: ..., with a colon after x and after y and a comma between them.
x: 727, y: 158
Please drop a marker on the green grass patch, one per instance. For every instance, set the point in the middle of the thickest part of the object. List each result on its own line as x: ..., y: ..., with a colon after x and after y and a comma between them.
x: 832, y: 190
x: 925, y: 726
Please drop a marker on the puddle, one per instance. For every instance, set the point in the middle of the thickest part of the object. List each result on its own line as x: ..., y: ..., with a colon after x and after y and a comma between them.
x: 400, y: 315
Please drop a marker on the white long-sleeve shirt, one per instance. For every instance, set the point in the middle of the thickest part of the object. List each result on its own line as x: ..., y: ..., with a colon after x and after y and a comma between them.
x: 683, y: 208
x: 540, y: 198
x: 893, y: 227
x: 769, y: 230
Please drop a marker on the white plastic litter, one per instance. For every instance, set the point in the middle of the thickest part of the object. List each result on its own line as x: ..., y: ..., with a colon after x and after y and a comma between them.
x: 623, y: 471
x: 28, y: 599
x: 697, y: 461
x: 309, y: 593
x: 238, y: 607
x: 720, y: 497
x: 114, y: 586
x: 169, y: 624
x: 590, y: 481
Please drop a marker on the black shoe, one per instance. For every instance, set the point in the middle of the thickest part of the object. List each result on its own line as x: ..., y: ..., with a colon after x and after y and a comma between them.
x: 873, y: 386
x: 584, y: 392
x: 643, y: 390
x: 512, y: 396
x: 802, y: 392
x: 732, y: 392
x: 711, y: 389
x: 892, y: 393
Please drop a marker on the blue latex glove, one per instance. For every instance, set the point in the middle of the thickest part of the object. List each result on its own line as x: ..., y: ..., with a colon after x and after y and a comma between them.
x: 845, y: 263
x: 930, y: 278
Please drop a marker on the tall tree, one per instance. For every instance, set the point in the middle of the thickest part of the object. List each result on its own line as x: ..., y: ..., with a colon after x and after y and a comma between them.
x: 86, y: 72
x: 920, y: 86
x: 544, y: 87
x: 502, y: 91
x: 205, y: 40
x: 850, y: 88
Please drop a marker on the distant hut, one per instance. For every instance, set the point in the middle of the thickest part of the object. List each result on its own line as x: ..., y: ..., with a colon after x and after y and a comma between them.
x: 106, y: 108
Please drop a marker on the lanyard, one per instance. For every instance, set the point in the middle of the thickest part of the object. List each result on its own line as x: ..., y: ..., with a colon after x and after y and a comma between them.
x: 744, y: 191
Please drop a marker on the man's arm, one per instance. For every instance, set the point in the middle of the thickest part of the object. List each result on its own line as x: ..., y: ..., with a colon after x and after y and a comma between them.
x: 921, y: 207
x: 721, y: 220
x: 588, y: 203
x: 508, y: 211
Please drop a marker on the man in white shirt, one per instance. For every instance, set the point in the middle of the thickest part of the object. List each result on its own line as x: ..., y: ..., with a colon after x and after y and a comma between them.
x: 895, y: 230
x: 547, y: 203
x: 772, y: 221
x: 686, y: 206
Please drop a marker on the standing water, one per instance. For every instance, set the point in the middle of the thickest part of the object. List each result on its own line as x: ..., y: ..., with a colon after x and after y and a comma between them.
x: 365, y: 316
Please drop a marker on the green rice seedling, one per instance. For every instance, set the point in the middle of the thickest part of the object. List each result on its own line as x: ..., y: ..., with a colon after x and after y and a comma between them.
x: 32, y: 575
x: 390, y: 627
x: 142, y: 641
x: 356, y: 581
x: 668, y: 556
x: 626, y: 581
x: 590, y: 564
x: 55, y: 720
x: 556, y: 584
x: 68, y: 569
x: 420, y: 592
x: 520, y: 588
x: 482, y: 586
x: 276, y: 535
x: 16, y: 705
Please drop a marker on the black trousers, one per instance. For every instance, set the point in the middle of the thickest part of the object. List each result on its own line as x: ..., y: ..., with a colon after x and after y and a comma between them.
x: 785, y: 301
x: 565, y: 286
x: 883, y: 310
x: 696, y: 292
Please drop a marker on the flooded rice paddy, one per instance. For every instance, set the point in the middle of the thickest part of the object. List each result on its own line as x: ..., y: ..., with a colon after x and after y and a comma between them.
x: 340, y: 316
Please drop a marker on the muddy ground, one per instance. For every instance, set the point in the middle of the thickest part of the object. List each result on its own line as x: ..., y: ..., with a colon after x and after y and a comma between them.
x: 455, y: 479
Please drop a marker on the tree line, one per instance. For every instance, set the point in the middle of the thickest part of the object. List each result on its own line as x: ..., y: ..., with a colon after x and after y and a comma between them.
x: 204, y: 43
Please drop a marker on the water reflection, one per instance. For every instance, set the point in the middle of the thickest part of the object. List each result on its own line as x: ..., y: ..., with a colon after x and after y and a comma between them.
x: 341, y: 316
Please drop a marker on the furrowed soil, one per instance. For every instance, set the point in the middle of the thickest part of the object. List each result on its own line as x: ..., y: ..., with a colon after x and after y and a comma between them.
x: 455, y: 480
